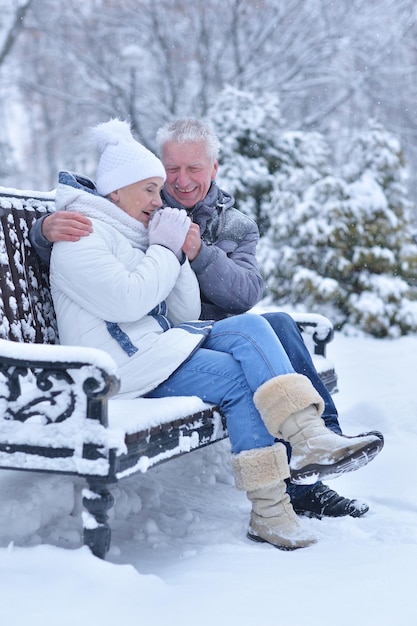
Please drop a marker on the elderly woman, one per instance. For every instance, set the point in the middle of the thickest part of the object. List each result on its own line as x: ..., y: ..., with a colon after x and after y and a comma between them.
x: 128, y: 288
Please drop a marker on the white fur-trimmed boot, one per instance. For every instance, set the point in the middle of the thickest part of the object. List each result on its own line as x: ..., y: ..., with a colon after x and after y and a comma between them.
x: 291, y: 408
x: 261, y: 472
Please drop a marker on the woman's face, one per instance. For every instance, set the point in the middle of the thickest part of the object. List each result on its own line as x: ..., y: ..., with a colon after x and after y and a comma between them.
x: 140, y: 200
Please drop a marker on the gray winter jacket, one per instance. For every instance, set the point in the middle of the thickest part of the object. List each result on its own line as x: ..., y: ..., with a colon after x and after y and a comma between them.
x: 226, y: 267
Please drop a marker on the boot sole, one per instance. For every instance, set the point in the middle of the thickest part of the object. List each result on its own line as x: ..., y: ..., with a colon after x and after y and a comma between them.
x: 375, y: 433
x: 257, y: 539
x: 310, y: 474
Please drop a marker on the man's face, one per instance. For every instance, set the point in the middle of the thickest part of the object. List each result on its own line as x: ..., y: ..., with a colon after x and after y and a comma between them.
x: 189, y: 171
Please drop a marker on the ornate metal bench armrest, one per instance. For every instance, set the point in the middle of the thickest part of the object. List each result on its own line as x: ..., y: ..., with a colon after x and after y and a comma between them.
x: 318, y: 327
x: 53, y: 383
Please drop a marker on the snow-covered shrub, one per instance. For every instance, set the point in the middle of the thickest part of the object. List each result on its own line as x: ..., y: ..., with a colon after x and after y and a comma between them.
x: 248, y: 127
x: 338, y: 241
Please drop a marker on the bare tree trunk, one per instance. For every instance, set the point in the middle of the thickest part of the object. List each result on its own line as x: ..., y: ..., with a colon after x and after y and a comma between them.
x: 14, y: 30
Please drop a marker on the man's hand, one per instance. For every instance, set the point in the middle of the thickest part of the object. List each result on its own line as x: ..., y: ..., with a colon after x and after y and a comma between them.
x: 66, y: 226
x: 192, y: 243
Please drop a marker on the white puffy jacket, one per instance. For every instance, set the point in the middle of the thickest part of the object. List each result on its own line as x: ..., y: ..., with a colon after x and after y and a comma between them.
x: 102, y: 278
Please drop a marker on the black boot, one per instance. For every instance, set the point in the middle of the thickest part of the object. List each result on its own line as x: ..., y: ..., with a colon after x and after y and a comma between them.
x: 321, y: 501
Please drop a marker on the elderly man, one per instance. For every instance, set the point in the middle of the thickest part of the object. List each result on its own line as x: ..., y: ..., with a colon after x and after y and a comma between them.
x: 221, y: 246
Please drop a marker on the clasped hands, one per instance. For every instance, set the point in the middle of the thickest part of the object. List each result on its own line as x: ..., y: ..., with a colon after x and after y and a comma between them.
x: 173, y: 229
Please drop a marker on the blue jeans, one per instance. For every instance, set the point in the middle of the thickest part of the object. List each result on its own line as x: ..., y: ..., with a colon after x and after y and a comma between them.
x: 240, y: 354
x: 290, y: 337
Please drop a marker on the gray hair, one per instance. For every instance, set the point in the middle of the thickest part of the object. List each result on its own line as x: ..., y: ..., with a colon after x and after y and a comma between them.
x: 189, y: 130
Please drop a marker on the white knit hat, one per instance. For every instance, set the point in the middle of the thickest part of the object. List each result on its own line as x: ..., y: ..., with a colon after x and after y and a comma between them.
x: 123, y: 160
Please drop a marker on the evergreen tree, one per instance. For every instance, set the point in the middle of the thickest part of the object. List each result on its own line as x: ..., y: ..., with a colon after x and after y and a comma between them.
x: 344, y: 246
x: 334, y: 241
x: 249, y: 127
x: 385, y: 302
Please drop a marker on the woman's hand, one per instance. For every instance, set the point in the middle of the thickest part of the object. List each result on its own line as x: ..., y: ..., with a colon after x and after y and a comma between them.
x: 169, y: 228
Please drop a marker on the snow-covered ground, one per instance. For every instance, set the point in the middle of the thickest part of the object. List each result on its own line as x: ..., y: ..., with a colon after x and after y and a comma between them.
x: 179, y: 553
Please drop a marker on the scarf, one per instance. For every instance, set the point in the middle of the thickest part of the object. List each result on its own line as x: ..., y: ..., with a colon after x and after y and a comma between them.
x: 103, y: 209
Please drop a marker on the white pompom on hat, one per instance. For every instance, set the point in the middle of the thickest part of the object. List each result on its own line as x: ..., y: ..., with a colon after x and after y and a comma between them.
x: 123, y: 160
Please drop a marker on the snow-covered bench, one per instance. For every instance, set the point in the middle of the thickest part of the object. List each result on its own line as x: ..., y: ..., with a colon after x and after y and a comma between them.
x: 56, y: 408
